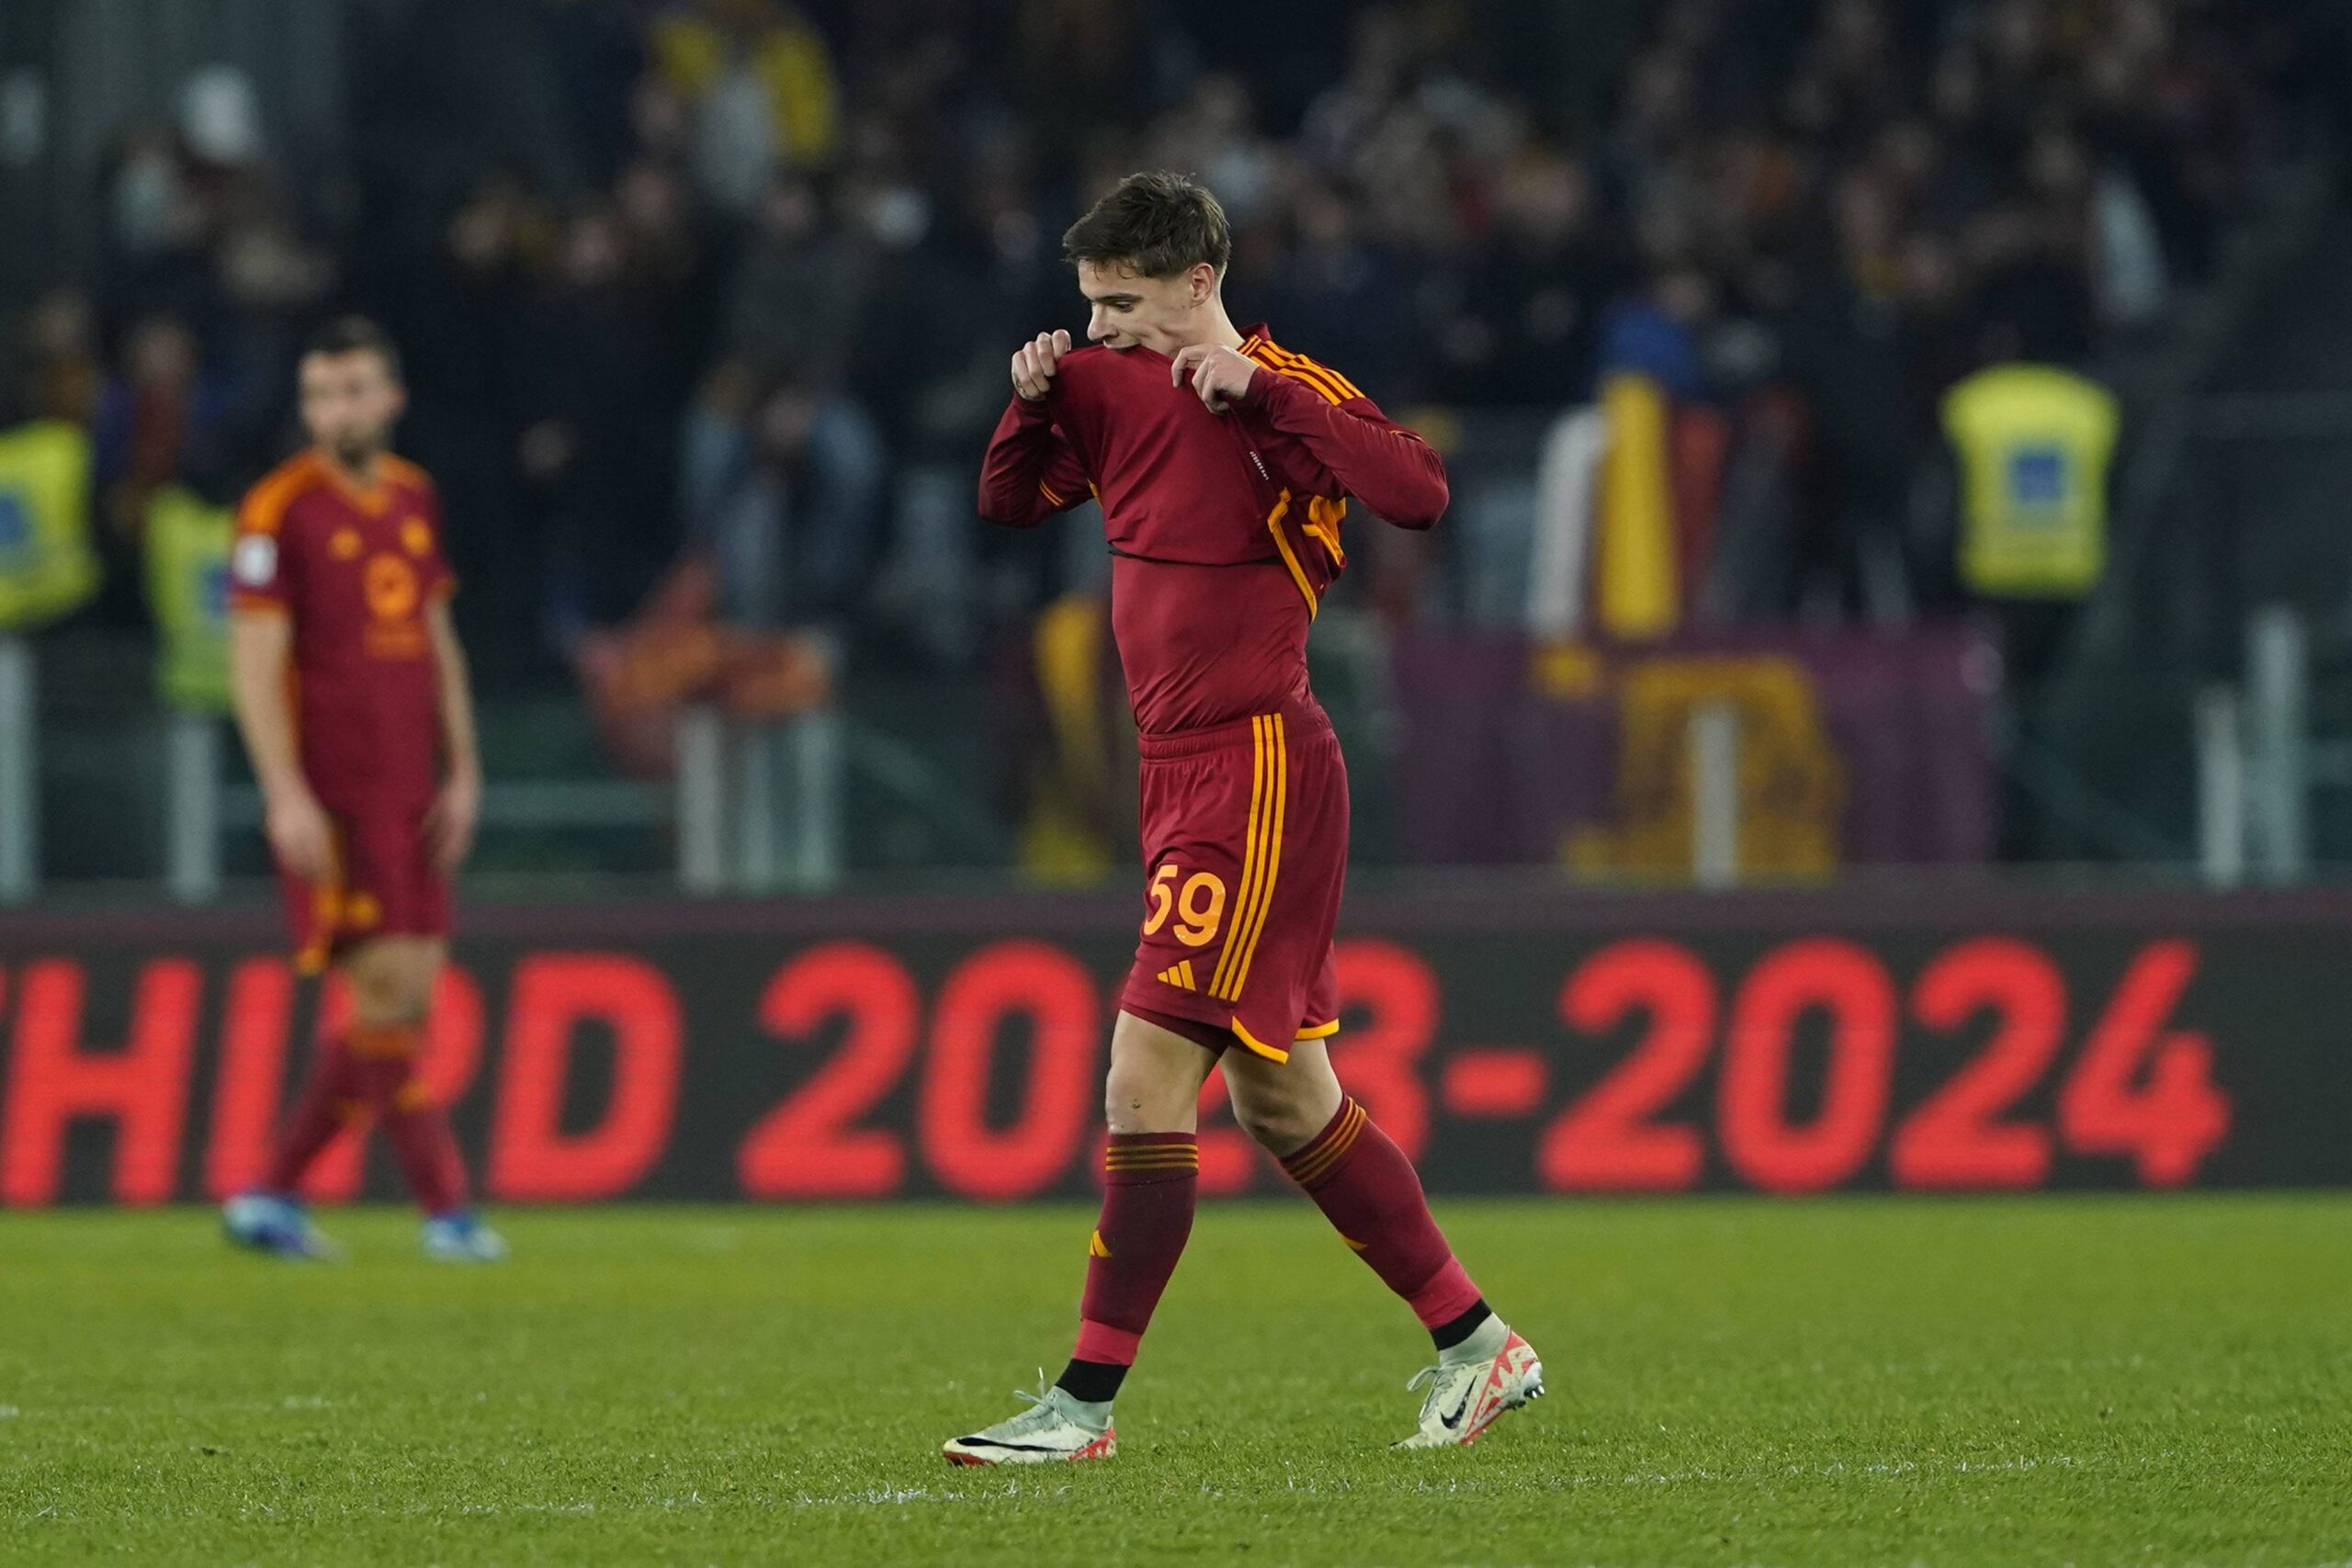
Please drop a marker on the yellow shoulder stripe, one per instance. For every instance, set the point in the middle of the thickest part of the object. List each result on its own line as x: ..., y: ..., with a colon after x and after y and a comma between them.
x: 1347, y: 388
x: 1322, y: 378
x: 264, y: 506
x: 1328, y: 393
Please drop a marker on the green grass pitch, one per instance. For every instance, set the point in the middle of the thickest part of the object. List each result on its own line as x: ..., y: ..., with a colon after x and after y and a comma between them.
x: 2029, y: 1381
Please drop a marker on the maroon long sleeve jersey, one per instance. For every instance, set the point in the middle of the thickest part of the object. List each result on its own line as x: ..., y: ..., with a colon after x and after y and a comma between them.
x: 1225, y: 529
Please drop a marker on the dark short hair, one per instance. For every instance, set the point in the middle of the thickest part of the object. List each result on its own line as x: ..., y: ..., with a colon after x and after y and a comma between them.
x: 356, y: 334
x: 1158, y: 223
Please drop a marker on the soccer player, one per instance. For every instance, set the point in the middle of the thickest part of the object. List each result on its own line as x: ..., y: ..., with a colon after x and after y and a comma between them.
x: 1224, y: 464
x: 351, y: 693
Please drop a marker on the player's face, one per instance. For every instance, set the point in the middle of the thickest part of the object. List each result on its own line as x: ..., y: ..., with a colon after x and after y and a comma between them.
x: 1127, y: 309
x: 349, y: 401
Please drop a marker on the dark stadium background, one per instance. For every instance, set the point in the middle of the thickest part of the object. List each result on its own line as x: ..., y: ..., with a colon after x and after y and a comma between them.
x: 1708, y: 802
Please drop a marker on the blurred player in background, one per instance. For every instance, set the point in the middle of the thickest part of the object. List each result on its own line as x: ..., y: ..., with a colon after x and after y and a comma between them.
x: 1224, y: 464
x: 352, y: 696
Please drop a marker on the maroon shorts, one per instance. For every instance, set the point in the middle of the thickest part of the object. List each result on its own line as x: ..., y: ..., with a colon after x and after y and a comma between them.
x: 1245, y: 846
x: 384, y: 883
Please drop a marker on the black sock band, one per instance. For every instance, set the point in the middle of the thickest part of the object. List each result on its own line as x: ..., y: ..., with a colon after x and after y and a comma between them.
x: 1093, y: 1382
x: 1454, y: 1330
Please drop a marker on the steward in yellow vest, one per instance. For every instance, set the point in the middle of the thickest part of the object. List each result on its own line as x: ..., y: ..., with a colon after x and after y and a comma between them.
x: 2033, y: 444
x: 47, y: 568
x: 188, y: 590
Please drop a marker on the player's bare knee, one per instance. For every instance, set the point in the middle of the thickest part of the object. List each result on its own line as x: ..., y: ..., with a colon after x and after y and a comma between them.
x: 391, y: 987
x: 1136, y: 1099
x: 1154, y: 1084
x: 1284, y: 1105
x: 389, y: 1005
x: 1281, y: 1121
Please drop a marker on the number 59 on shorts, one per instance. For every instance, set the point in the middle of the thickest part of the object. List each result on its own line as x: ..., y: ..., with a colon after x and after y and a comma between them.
x: 1198, y: 905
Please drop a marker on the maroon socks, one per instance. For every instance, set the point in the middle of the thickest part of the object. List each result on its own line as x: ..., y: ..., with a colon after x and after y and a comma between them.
x: 371, y: 1071
x: 1151, y: 1181
x: 332, y: 1099
x: 1366, y: 1188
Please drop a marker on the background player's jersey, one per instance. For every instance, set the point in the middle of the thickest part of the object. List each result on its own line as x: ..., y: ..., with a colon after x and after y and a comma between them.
x: 355, y: 568
x: 1225, y: 529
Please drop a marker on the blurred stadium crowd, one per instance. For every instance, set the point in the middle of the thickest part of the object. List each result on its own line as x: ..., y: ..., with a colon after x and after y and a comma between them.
x: 743, y: 274
x: 706, y: 303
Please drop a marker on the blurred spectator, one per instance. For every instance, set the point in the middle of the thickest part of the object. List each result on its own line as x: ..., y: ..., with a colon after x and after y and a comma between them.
x: 589, y: 366
x: 1339, y: 289
x: 1216, y: 134
x: 792, y: 311
x: 1523, y: 329
x: 597, y: 55
x: 2033, y: 445
x: 56, y: 373
x: 159, y: 421
x: 155, y: 223
x: 757, y: 83
x: 782, y: 486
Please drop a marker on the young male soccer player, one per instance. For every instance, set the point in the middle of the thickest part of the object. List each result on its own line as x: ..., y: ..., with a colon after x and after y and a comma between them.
x: 351, y: 693
x: 1223, y: 464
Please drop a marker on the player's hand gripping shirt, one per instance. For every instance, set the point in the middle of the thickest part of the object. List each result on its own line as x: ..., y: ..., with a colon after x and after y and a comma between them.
x: 355, y: 569
x: 1224, y: 528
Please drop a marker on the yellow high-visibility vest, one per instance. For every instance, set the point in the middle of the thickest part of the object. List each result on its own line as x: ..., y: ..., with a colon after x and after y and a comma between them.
x: 791, y: 64
x: 187, y: 590
x: 47, y: 568
x: 2034, y: 442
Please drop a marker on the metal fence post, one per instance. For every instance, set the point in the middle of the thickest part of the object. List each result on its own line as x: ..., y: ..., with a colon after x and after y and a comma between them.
x: 192, y: 807
x: 701, y: 800
x: 2279, y: 672
x: 19, y: 774
x: 751, y: 759
x: 2220, y: 788
x: 813, y: 757
x: 1714, y: 793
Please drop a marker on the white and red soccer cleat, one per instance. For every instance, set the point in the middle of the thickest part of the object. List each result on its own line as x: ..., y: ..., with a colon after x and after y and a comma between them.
x: 1466, y: 1397
x: 1053, y: 1430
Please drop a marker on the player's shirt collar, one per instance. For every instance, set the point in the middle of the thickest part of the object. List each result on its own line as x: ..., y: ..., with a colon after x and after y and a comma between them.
x: 371, y: 495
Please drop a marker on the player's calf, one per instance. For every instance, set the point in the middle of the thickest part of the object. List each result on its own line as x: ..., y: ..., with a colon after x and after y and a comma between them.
x: 1151, y: 1183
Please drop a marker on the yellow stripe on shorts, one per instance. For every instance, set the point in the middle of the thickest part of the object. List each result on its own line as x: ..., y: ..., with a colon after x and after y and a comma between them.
x: 1248, y: 853
x: 1241, y: 945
